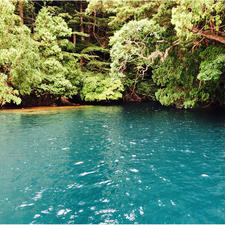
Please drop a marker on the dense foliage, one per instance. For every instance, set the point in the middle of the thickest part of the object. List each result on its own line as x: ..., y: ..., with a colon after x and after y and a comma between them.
x: 105, y: 50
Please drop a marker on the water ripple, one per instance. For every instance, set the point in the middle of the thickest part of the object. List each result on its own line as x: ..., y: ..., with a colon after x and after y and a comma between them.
x: 110, y: 165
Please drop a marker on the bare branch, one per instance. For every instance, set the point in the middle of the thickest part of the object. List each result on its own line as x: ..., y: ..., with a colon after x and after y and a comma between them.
x: 208, y: 34
x: 197, y: 44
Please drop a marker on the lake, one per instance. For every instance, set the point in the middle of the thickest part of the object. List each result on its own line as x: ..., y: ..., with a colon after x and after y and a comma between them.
x: 136, y: 163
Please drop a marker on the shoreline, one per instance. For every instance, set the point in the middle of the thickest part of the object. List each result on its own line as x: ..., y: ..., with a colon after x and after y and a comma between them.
x: 41, y: 109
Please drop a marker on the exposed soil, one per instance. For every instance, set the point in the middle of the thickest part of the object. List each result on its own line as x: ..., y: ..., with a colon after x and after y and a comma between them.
x: 41, y: 109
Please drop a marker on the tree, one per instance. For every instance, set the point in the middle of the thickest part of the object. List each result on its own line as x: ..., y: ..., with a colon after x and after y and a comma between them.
x: 199, y: 19
x: 134, y: 51
x: 19, y: 59
x: 58, y: 67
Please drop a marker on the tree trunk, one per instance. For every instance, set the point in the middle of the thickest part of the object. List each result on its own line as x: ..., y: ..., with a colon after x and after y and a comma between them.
x: 81, y: 30
x: 74, y: 39
x: 81, y: 64
x: 74, y: 35
x: 89, y: 30
x: 81, y: 21
x: 94, y: 21
x: 21, y: 11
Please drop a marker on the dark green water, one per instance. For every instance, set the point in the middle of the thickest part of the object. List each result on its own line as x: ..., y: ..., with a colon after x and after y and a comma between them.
x: 120, y: 164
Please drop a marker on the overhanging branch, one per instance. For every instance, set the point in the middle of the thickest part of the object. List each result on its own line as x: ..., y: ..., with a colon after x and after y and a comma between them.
x: 208, y: 34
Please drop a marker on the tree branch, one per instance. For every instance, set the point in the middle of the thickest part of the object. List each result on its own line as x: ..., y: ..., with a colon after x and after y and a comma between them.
x: 208, y: 34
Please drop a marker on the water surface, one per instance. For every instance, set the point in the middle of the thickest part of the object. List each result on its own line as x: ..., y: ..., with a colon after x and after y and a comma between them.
x: 115, y: 164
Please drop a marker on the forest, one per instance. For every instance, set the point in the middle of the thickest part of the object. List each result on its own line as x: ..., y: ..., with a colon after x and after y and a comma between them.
x: 102, y: 51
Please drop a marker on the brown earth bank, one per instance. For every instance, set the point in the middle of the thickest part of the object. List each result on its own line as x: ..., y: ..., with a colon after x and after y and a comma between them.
x: 40, y: 109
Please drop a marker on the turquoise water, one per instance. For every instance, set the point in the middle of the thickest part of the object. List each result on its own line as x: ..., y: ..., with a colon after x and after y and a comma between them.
x: 116, y: 164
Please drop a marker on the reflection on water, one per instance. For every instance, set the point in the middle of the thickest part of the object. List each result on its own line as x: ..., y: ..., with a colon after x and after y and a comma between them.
x: 117, y: 164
